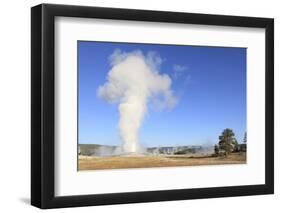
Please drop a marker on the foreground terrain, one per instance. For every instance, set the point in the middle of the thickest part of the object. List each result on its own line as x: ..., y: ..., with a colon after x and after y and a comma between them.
x: 146, y: 161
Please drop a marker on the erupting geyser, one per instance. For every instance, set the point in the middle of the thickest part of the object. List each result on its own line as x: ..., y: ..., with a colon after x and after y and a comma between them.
x: 132, y: 82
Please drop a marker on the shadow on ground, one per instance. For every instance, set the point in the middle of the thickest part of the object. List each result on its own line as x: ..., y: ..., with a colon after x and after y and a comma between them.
x: 25, y: 200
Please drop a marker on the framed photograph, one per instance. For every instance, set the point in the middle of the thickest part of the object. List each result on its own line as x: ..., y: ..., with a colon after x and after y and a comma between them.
x: 139, y: 106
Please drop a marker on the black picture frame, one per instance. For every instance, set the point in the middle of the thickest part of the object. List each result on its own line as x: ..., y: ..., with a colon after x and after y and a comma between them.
x: 43, y: 100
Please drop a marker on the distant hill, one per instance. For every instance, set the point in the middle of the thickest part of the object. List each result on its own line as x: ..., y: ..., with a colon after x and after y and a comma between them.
x: 107, y: 150
x: 95, y: 149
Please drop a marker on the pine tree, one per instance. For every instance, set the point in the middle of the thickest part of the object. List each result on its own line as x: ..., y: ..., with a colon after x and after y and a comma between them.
x: 227, y: 141
x: 245, y: 138
x: 216, y: 149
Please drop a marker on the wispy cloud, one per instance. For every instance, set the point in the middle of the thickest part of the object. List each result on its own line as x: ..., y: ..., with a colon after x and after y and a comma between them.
x: 178, y: 70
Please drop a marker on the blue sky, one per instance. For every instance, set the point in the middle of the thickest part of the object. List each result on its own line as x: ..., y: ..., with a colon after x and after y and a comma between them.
x: 209, y: 82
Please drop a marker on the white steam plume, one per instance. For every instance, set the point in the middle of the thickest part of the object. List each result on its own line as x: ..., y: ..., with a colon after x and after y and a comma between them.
x: 133, y: 81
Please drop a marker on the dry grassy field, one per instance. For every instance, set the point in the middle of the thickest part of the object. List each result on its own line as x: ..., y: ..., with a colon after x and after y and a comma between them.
x: 146, y: 161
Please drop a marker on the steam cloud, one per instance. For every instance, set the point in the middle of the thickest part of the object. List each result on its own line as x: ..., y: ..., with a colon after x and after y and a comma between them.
x: 132, y: 82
